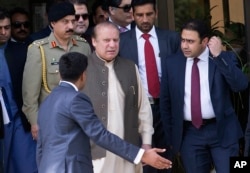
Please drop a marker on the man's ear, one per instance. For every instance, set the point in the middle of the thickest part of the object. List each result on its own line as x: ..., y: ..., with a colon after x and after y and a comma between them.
x: 93, y: 41
x: 112, y: 10
x: 52, y: 24
x: 205, y: 40
x: 84, y: 75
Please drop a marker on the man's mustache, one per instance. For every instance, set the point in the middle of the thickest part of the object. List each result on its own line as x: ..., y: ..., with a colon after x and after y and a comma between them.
x: 70, y: 31
x: 145, y: 23
x: 22, y: 32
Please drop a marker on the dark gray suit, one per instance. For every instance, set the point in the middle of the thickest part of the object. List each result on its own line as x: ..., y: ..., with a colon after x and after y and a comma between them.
x: 66, y: 122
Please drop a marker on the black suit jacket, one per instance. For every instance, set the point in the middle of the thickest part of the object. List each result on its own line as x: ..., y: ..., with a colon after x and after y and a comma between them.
x: 16, y: 54
x: 169, y: 43
x: 223, y: 76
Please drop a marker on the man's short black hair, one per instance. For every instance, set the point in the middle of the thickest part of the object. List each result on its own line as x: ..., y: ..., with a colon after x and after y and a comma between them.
x: 110, y: 3
x: 79, y: 2
x: 19, y: 10
x: 96, y: 4
x: 143, y: 2
x: 4, y: 13
x: 199, y: 26
x: 72, y: 65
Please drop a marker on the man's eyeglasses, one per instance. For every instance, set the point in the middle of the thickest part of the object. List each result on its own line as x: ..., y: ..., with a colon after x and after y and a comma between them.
x: 21, y: 24
x: 125, y: 8
x: 84, y: 16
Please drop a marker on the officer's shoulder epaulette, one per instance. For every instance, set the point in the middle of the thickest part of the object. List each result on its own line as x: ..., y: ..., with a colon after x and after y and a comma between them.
x: 79, y: 38
x: 40, y: 42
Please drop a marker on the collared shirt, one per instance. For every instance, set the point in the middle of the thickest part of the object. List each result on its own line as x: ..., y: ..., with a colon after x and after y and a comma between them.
x: 128, y: 27
x: 33, y: 90
x: 206, y: 104
x: 53, y: 43
x: 4, y: 112
x: 73, y: 85
x: 141, y: 55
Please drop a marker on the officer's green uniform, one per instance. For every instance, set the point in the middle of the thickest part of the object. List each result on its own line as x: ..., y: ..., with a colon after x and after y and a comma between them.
x: 40, y: 78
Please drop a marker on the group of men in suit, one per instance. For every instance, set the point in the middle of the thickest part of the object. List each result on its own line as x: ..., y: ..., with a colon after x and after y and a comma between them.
x: 174, y: 111
x: 65, y: 147
x: 52, y: 47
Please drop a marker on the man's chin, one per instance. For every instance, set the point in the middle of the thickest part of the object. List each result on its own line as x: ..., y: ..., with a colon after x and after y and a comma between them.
x: 2, y: 41
x: 80, y: 32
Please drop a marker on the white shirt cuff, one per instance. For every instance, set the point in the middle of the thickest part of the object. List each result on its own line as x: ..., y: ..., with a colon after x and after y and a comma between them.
x: 139, y: 156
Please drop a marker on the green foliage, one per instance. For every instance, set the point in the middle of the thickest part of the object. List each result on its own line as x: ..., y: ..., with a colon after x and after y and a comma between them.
x: 233, y: 38
x: 187, y: 9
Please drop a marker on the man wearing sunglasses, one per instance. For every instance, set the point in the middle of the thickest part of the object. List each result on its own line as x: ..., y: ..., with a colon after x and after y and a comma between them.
x: 20, y: 25
x: 82, y: 20
x: 16, y: 53
x: 17, y: 149
x: 120, y: 13
x: 41, y: 69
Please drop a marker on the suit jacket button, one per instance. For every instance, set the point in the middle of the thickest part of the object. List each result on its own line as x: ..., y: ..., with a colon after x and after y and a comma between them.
x: 103, y: 83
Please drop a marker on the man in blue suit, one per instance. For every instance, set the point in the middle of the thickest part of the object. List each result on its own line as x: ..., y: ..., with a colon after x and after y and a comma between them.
x: 214, y: 137
x: 66, y: 121
x: 164, y: 43
x: 16, y: 144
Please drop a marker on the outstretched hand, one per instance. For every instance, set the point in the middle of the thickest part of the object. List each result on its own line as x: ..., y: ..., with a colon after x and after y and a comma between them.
x: 153, y: 159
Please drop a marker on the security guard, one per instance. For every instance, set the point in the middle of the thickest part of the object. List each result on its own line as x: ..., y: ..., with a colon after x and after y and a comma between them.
x: 41, y: 69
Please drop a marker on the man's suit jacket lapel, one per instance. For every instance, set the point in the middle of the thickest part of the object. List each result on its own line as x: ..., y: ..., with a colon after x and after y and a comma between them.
x: 181, y: 71
x: 162, y: 44
x: 211, y: 72
x: 132, y: 46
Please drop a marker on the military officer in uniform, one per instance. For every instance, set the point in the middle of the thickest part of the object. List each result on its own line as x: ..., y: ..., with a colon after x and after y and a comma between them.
x: 41, y: 68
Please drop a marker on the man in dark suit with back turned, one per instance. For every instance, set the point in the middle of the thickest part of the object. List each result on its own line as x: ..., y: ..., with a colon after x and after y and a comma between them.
x: 197, y: 114
x: 164, y: 43
x: 66, y: 121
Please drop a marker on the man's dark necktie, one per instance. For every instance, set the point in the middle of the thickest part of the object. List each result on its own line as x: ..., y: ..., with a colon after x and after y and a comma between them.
x: 122, y: 29
x: 151, y: 68
x: 195, y: 95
